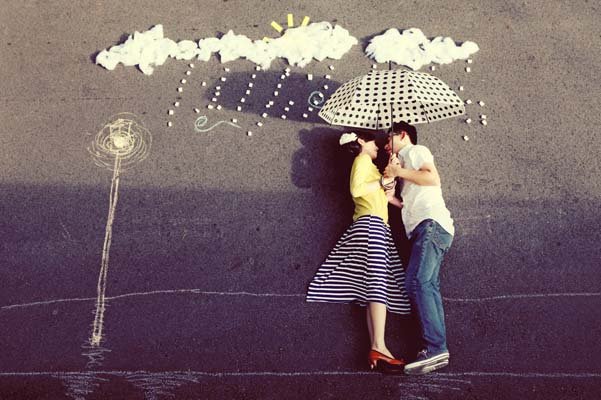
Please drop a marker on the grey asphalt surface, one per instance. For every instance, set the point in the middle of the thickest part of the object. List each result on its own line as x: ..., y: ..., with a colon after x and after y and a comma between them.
x: 217, y: 235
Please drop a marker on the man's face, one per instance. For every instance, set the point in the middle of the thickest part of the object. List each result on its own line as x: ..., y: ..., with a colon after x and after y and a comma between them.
x: 394, y: 144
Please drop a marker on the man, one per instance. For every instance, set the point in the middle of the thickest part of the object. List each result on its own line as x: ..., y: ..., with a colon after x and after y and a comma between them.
x: 430, y: 229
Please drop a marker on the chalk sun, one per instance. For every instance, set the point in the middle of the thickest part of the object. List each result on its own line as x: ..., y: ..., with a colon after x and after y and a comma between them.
x: 290, y: 24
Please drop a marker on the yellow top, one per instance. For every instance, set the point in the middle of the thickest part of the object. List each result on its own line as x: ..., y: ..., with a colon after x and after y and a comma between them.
x: 367, y: 203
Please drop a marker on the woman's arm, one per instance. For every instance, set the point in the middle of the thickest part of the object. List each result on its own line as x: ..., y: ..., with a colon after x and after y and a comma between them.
x: 363, y: 188
x: 359, y: 184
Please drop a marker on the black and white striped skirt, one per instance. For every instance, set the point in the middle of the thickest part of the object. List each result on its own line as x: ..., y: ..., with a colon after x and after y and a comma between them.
x: 363, y: 267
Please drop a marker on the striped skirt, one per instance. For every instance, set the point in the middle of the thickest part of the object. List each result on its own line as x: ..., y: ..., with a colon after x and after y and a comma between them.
x: 363, y: 267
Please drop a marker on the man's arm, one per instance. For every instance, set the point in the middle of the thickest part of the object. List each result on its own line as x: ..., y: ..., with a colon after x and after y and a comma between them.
x: 427, y: 175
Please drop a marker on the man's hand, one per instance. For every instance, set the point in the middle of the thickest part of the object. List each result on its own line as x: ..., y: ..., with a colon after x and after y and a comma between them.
x: 393, y: 170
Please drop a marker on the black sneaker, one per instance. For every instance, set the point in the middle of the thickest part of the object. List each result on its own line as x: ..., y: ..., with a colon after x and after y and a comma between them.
x: 425, y: 363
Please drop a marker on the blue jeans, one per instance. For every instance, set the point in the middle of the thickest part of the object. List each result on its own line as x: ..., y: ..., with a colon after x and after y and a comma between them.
x: 429, y: 243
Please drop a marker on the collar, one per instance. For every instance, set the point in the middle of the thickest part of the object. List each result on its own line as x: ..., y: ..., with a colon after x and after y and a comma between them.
x: 403, y: 152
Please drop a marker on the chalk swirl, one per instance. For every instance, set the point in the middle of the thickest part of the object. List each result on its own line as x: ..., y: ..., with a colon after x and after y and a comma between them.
x: 316, y: 99
x: 202, y: 121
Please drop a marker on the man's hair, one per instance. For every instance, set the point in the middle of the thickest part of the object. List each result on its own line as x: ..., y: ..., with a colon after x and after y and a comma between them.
x: 354, y: 147
x: 398, y: 127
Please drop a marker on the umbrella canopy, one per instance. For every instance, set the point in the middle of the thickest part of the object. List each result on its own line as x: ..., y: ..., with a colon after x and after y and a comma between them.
x: 374, y: 100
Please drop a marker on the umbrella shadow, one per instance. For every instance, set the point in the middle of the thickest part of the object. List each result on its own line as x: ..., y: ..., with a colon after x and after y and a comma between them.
x: 320, y: 165
x: 294, y: 97
x: 323, y: 167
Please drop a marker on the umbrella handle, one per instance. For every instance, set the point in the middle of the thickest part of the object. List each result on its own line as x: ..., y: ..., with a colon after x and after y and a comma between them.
x: 391, y: 122
x: 390, y: 136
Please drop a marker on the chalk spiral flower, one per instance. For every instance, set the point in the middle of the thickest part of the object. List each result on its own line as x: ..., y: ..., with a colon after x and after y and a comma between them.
x: 124, y: 138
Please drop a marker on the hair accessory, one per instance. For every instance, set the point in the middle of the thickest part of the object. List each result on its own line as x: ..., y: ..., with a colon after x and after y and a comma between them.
x: 347, y: 138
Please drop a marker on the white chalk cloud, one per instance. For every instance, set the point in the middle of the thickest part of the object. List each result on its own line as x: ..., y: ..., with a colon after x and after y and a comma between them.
x: 299, y: 46
x: 317, y: 41
x: 414, y: 50
x: 146, y: 50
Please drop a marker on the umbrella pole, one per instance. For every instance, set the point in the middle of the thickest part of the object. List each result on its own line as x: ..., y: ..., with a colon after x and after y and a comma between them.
x: 391, y: 122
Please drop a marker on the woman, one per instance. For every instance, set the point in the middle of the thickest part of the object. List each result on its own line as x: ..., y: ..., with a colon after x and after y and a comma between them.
x: 364, y: 267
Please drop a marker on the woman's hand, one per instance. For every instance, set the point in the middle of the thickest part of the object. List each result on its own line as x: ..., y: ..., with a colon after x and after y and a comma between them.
x: 392, y: 199
x: 390, y: 193
x: 387, y: 183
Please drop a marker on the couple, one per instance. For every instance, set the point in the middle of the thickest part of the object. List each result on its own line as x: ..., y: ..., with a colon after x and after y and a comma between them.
x: 364, y: 267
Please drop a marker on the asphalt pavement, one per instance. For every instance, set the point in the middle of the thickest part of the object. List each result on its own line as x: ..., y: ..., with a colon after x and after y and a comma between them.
x: 214, y: 236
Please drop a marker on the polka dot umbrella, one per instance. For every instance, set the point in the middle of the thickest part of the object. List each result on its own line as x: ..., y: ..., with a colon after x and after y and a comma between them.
x: 372, y: 101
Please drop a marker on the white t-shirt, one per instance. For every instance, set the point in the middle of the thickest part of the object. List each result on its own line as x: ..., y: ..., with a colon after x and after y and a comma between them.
x: 421, y: 202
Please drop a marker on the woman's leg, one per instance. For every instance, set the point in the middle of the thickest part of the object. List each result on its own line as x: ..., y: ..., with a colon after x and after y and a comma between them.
x: 370, y: 327
x: 377, y: 312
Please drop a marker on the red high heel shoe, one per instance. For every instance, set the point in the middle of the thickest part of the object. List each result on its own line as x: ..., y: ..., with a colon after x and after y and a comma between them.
x: 385, y: 364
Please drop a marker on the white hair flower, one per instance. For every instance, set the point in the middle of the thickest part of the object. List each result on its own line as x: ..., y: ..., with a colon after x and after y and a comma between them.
x: 347, y: 138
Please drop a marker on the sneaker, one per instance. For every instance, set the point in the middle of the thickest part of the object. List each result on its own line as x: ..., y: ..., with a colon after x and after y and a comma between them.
x: 425, y: 363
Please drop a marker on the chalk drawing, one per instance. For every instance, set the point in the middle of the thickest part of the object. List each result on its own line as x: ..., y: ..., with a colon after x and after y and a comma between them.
x: 123, y: 142
x: 79, y: 385
x: 155, y: 384
x: 202, y: 121
x: 284, y: 295
x: 520, y: 296
x: 65, y: 234
x: 437, y: 377
x: 94, y: 354
x: 290, y: 24
x: 120, y: 144
x: 429, y: 384
x: 201, y: 374
x: 316, y: 99
x: 160, y: 384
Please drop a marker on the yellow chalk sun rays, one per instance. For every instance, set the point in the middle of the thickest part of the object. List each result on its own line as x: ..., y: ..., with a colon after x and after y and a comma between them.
x: 290, y: 24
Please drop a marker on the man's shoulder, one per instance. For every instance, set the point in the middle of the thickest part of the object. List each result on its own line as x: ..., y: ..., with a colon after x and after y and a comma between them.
x: 419, y: 149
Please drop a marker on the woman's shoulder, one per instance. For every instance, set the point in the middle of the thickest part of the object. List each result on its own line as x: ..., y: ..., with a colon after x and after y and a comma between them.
x: 362, y: 159
x: 362, y: 162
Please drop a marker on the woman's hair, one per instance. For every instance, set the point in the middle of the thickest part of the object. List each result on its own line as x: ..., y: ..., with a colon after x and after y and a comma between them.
x: 354, y: 147
x: 398, y: 127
